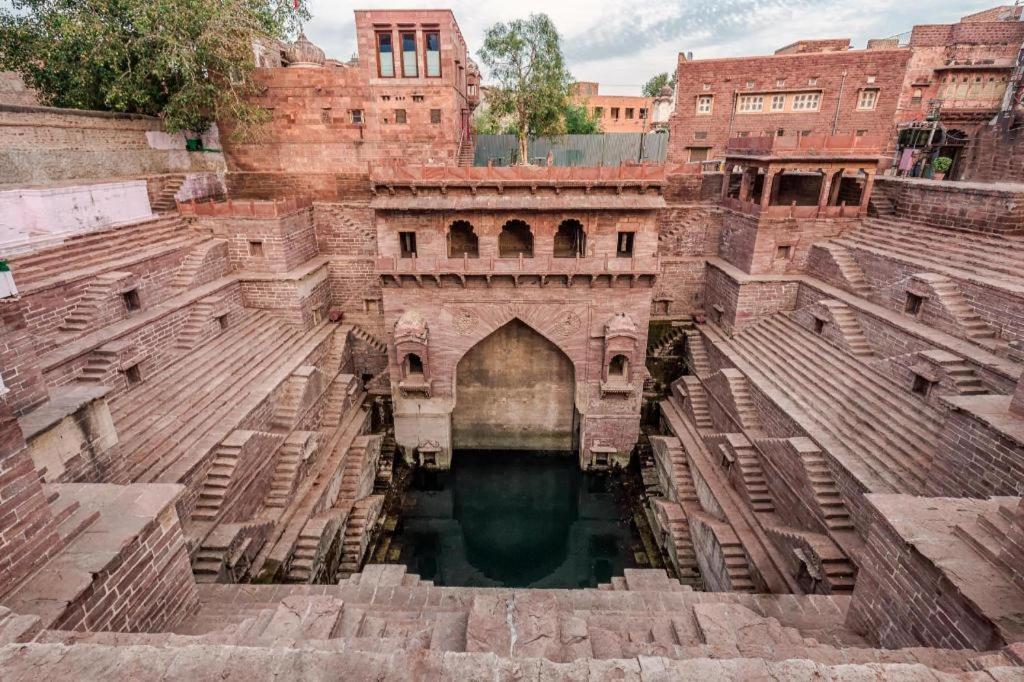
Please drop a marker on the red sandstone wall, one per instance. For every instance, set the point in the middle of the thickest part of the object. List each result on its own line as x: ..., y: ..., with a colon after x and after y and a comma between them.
x: 892, y: 571
x: 28, y: 536
x: 18, y: 362
x: 149, y: 588
x: 728, y: 78
x: 957, y: 205
x: 993, y: 157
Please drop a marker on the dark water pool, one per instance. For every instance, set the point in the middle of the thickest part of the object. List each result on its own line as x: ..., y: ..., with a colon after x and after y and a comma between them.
x: 517, y: 520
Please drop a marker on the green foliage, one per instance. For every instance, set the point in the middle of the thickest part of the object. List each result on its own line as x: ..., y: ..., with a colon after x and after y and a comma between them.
x: 525, y: 61
x: 942, y: 164
x: 188, y: 61
x: 486, y: 123
x: 4, y: 266
x: 579, y: 121
x: 653, y: 86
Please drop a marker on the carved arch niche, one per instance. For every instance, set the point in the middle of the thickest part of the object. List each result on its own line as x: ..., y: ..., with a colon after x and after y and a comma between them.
x: 621, y: 341
x: 412, y: 338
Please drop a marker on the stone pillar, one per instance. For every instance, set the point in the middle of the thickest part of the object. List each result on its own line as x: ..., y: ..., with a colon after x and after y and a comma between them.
x: 869, y: 184
x: 824, y: 195
x: 837, y: 183
x: 770, y: 190
x: 726, y: 180
x: 746, y: 185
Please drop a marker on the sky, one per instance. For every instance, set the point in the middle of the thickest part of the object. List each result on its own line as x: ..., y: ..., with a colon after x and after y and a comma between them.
x: 621, y: 44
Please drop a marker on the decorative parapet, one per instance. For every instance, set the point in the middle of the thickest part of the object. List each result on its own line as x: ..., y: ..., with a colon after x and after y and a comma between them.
x: 243, y: 209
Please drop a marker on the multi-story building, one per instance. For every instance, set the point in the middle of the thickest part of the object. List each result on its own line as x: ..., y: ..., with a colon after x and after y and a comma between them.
x: 808, y: 88
x: 948, y: 76
x: 407, y: 96
x: 615, y: 113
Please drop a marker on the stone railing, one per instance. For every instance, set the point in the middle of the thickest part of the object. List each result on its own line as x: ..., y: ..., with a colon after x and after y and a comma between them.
x: 243, y: 209
x: 542, y: 265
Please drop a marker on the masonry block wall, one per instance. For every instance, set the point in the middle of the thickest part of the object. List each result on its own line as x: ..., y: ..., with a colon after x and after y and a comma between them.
x: 29, y: 536
x: 769, y: 245
x: 19, y: 366
x: 301, y: 299
x: 958, y: 205
x: 974, y: 459
x: 345, y: 233
x: 733, y: 304
x: 325, y: 186
x: 146, y: 588
x: 700, y: 128
x: 993, y: 156
x: 938, y: 616
x: 35, y: 143
x: 265, y: 245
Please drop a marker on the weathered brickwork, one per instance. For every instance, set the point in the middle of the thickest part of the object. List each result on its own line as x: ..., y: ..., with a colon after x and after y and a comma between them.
x: 994, y: 156
x: 19, y: 364
x: 961, y: 205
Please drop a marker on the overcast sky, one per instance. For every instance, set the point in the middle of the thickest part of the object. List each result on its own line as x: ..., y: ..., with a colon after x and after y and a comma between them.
x: 622, y: 43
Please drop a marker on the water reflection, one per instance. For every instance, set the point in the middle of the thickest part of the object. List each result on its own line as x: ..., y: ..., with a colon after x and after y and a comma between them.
x: 516, y: 520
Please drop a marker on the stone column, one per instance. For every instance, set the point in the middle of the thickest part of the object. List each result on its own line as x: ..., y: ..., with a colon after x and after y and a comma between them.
x: 726, y: 179
x: 745, y: 184
x: 770, y: 189
x: 837, y: 183
x: 824, y: 195
x: 869, y: 184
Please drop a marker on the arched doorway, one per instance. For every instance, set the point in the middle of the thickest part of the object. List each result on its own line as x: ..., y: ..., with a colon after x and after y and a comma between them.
x: 570, y: 240
x: 462, y: 240
x: 515, y: 390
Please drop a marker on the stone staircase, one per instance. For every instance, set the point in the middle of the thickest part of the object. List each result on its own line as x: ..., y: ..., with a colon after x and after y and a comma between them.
x: 188, y: 271
x: 961, y: 376
x: 746, y: 412
x: 99, y: 367
x: 187, y: 408
x: 358, y: 526
x: 874, y: 427
x: 698, y: 353
x: 672, y: 519
x: 849, y: 328
x: 164, y: 201
x: 755, y: 484
x: 848, y: 268
x: 825, y: 491
x: 218, y: 478
x: 963, y: 314
x: 369, y: 338
x: 97, y: 302
x: 386, y: 463
x: 286, y: 473
x: 669, y: 340
x: 881, y: 205
x: 195, y: 326
x: 340, y: 395
x: 95, y: 251
x: 697, y: 400
x: 989, y: 535
x: 953, y: 252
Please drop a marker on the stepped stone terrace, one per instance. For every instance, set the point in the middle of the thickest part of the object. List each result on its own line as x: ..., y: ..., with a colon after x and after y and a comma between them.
x: 802, y: 375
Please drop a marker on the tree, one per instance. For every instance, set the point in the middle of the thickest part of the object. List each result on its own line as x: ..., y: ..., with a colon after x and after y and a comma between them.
x: 189, y: 62
x: 657, y: 82
x: 525, y: 59
x: 579, y: 121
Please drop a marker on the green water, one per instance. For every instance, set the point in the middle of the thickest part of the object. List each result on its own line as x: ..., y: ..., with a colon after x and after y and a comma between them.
x: 515, y: 520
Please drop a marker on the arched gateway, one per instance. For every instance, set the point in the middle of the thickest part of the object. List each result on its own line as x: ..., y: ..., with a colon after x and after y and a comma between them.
x: 514, y: 391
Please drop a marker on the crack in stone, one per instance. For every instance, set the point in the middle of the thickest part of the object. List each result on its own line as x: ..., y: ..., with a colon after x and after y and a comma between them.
x: 510, y: 605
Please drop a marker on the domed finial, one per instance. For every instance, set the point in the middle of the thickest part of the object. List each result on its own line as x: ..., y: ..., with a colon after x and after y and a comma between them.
x: 304, y: 53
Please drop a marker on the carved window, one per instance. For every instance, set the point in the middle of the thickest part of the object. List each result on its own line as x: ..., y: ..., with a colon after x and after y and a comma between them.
x: 400, y: 116
x: 699, y: 154
x: 435, y: 116
x: 749, y: 104
x: 462, y: 241
x: 704, y: 104
x: 413, y: 365
x: 618, y: 368
x: 131, y: 300
x: 624, y: 246
x: 515, y: 240
x: 868, y: 99
x: 570, y: 240
x: 407, y: 244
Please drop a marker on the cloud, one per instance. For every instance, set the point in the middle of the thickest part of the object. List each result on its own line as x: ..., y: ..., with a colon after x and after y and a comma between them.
x: 622, y: 44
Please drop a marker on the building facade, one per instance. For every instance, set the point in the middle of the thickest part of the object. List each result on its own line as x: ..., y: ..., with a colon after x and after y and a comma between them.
x: 615, y: 113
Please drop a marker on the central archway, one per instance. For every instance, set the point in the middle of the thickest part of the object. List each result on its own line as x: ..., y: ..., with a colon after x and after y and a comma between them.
x: 515, y: 390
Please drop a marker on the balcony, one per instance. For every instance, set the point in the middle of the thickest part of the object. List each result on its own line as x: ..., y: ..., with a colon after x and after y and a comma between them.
x: 540, y: 271
x: 806, y: 146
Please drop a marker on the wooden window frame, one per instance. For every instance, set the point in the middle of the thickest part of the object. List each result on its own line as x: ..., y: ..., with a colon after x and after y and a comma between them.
x: 415, y: 51
x: 394, y: 67
x: 440, y: 65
